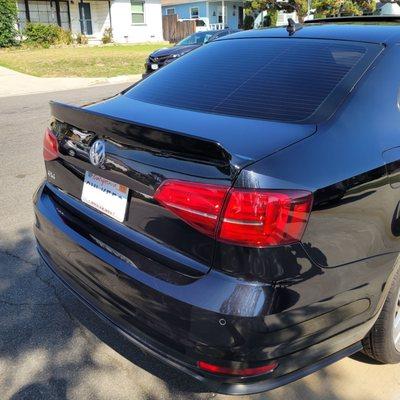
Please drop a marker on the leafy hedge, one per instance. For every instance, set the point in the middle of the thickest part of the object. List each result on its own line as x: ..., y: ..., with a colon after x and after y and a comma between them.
x: 8, y: 20
x: 43, y: 35
x: 271, y: 19
x: 248, y: 22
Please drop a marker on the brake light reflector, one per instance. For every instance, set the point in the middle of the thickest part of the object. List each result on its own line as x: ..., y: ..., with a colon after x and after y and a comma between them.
x: 198, y: 204
x: 246, y: 217
x: 254, y: 371
x: 50, y: 146
x: 261, y: 218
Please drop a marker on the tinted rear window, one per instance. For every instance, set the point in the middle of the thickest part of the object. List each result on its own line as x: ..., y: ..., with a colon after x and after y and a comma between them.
x: 290, y: 80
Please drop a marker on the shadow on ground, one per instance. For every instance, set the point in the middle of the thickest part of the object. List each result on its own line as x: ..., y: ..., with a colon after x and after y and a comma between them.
x: 53, y: 347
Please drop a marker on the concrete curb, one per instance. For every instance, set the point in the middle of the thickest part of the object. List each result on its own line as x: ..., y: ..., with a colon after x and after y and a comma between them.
x: 13, y: 83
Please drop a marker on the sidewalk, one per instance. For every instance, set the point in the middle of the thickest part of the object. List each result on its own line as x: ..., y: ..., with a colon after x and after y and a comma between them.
x: 14, y: 83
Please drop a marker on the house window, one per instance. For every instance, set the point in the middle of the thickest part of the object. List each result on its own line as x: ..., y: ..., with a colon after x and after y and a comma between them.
x: 194, y: 12
x: 21, y: 15
x: 64, y: 15
x: 43, y: 11
x: 170, y: 11
x: 137, y: 11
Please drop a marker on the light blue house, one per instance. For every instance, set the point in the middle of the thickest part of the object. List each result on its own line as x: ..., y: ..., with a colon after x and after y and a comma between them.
x: 216, y: 14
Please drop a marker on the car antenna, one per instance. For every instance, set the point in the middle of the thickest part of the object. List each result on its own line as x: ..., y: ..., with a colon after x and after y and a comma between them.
x: 293, y: 27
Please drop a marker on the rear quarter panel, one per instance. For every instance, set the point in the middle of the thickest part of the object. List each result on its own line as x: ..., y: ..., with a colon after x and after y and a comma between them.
x: 343, y: 165
x: 351, y: 238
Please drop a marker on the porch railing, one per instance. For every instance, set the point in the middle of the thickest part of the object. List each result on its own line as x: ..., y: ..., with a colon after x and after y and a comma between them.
x: 216, y: 26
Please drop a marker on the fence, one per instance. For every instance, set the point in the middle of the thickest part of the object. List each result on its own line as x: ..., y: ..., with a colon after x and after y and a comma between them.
x: 174, y: 30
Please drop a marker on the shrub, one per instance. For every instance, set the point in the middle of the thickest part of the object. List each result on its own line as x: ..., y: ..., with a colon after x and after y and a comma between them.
x: 8, y: 20
x: 274, y: 17
x: 64, y: 36
x: 271, y: 18
x: 41, y: 35
x: 44, y: 35
x: 248, y: 22
x: 81, y: 38
x: 107, y: 36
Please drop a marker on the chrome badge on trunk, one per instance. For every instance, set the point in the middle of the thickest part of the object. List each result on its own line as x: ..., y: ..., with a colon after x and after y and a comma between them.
x: 97, y: 153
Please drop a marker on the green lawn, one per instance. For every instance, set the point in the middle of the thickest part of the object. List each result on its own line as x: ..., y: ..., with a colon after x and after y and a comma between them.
x: 99, y: 61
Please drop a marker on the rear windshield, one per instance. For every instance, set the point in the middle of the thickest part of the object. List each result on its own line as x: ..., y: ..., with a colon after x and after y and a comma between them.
x: 290, y: 80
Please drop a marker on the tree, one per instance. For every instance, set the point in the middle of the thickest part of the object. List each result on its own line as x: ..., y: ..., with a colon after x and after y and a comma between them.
x: 333, y: 8
x: 8, y: 21
x: 323, y: 7
x: 248, y: 22
x: 300, y: 6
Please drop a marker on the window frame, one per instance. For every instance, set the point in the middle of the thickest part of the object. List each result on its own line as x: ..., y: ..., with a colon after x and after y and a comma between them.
x: 168, y: 9
x: 132, y: 2
x: 38, y: 8
x: 191, y: 12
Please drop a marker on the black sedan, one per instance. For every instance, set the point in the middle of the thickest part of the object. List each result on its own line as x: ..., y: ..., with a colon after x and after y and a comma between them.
x: 236, y: 214
x: 164, y: 56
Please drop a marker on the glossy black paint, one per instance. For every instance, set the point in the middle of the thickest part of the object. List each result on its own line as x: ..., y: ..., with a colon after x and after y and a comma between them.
x: 167, y: 55
x: 187, y: 297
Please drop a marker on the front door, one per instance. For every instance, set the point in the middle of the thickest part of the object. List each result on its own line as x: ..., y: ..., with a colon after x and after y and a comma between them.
x: 85, y: 18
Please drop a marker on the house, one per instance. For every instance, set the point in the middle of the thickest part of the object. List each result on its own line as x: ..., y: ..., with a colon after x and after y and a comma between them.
x: 132, y: 21
x: 282, y: 18
x: 385, y: 8
x: 217, y: 14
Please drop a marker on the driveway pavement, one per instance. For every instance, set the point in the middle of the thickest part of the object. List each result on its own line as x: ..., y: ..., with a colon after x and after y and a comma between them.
x: 52, y: 347
x: 14, y: 83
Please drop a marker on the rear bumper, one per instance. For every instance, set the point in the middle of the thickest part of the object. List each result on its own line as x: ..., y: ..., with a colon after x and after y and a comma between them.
x: 222, y: 386
x: 179, y: 322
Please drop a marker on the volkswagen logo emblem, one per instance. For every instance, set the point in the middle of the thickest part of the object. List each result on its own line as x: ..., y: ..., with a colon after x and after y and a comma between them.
x: 98, y: 153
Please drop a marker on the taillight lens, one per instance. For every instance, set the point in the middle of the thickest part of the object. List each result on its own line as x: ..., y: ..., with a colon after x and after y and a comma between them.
x: 253, y: 218
x: 50, y: 146
x: 261, y: 218
x: 252, y: 371
x: 198, y: 204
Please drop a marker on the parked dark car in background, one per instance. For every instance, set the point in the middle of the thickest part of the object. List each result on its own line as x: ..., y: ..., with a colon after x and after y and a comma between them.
x: 242, y: 226
x: 164, y: 56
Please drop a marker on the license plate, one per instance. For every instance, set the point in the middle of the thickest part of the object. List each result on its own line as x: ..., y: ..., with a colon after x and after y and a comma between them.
x: 154, y: 67
x: 108, y: 197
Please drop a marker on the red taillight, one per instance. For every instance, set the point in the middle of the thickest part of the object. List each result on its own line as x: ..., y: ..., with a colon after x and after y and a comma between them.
x: 197, y: 204
x: 254, y: 218
x: 50, y: 146
x: 254, y: 371
x: 261, y: 218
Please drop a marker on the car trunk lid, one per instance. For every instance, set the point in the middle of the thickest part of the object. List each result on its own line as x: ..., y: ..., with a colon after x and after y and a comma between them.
x: 146, y: 145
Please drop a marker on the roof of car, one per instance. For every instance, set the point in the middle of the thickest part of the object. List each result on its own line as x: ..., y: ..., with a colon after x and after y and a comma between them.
x: 361, y: 29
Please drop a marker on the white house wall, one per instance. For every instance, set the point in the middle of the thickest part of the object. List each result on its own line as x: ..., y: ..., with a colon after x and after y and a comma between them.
x: 123, y: 29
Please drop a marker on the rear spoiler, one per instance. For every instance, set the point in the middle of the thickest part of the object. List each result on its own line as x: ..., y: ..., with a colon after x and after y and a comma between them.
x: 140, y: 136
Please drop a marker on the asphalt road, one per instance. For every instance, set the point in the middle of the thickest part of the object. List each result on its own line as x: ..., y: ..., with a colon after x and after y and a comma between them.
x: 52, y: 347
